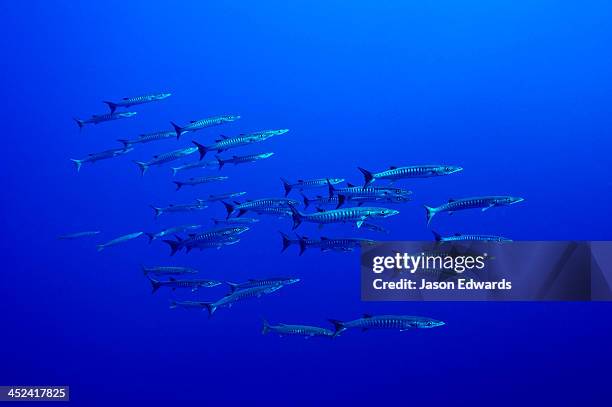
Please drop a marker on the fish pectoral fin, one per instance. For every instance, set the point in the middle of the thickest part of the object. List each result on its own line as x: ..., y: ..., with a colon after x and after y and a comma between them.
x: 487, y: 207
x: 359, y: 223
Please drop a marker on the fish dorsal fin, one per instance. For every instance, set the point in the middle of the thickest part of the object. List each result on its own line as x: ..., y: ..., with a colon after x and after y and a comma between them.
x: 192, y: 234
x: 171, y: 205
x: 171, y: 279
x: 457, y: 234
x: 319, y: 196
x: 367, y: 315
x: 320, y: 210
x: 393, y: 167
x: 125, y: 98
x: 234, y: 156
x: 192, y: 121
x: 251, y: 279
x: 348, y: 184
x: 300, y: 180
x: 324, y: 238
x: 451, y: 200
x: 223, y: 137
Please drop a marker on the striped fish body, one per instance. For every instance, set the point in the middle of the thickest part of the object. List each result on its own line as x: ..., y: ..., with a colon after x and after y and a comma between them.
x: 239, y: 295
x: 274, y: 211
x: 297, y: 330
x: 120, y: 239
x: 183, y: 207
x: 194, y: 165
x: 103, y: 155
x: 188, y: 304
x: 320, y: 200
x: 137, y: 100
x: 268, y: 282
x: 79, y: 235
x: 482, y: 202
x: 203, y: 180
x: 171, y: 231
x: 401, y: 322
x: 95, y: 119
x: 209, y: 122
x: 243, y: 159
x: 172, y: 156
x: 341, y: 215
x: 343, y: 244
x: 263, y: 204
x: 192, y: 284
x: 213, y: 244
x: 214, y: 198
x: 168, y: 270
x: 147, y: 138
x: 235, y: 221
x: 472, y: 238
x: 416, y: 171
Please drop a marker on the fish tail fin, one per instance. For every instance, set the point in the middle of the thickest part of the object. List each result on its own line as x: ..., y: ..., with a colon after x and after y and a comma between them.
x: 151, y: 236
x: 229, y: 208
x: 179, y: 184
x: 341, y: 200
x: 112, y: 106
x: 202, y: 149
x: 367, y: 175
x: 81, y: 123
x: 126, y: 143
x: 220, y: 160
x: 430, y: 212
x: 158, y: 211
x: 286, y: 185
x: 178, y: 129
x: 331, y: 188
x: 302, y: 243
x: 338, y: 327
x: 211, y: 308
x: 437, y: 236
x: 142, y: 166
x: 306, y: 200
x: 154, y: 284
x: 297, y: 217
x: 265, y: 328
x: 286, y: 241
x: 174, y: 246
x: 144, y: 270
x: 174, y: 171
x: 77, y: 163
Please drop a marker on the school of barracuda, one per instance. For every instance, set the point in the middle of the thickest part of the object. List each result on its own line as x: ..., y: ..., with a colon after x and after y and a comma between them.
x: 357, y: 205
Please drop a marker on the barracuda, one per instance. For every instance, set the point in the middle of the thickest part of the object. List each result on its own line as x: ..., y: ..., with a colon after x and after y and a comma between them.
x: 302, y: 242
x: 481, y: 202
x: 243, y: 159
x: 194, y: 165
x: 147, y: 138
x: 401, y: 322
x: 190, y: 244
x: 78, y: 235
x: 231, y: 299
x: 356, y: 214
x: 235, y: 221
x: 165, y: 158
x: 195, y: 125
x: 179, y: 208
x: 118, y: 240
x: 103, y: 155
x: 220, y: 197
x: 202, y: 240
x: 416, y: 171
x: 258, y: 204
x: 107, y: 117
x: 226, y: 143
x: 138, y: 100
x: 193, y: 181
x: 472, y: 238
x: 309, y: 183
x: 173, y: 283
x: 306, y: 331
x: 168, y: 270
x: 251, y: 283
x: 188, y: 304
x: 171, y: 231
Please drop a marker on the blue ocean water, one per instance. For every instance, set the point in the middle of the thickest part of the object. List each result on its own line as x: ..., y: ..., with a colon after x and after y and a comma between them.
x: 516, y: 92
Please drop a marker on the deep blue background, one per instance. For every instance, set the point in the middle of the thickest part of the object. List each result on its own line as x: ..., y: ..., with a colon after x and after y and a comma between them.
x: 518, y: 93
